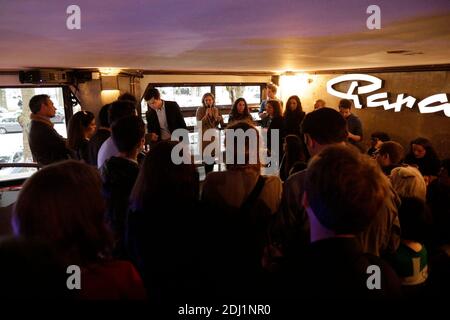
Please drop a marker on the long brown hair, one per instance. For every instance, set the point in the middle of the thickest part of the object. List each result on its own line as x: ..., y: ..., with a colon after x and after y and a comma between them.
x: 162, y: 183
x: 234, y: 112
x: 276, y: 108
x: 78, y: 125
x: 208, y: 94
x: 299, y: 110
x: 62, y: 204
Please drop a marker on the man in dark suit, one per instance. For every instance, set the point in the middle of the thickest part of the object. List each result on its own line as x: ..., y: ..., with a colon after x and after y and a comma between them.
x: 46, y: 145
x: 163, y: 117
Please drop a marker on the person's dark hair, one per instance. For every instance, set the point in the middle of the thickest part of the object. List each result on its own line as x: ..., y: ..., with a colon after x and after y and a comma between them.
x: 103, y: 117
x: 36, y: 102
x: 120, y: 109
x: 382, y: 136
x: 288, y: 112
x: 62, y: 204
x: 325, y: 125
x: 127, y: 96
x: 426, y: 144
x: 276, y: 107
x: 345, y: 104
x: 208, y: 94
x: 344, y: 188
x: 414, y: 218
x: 30, y: 269
x: 234, y: 111
x: 394, y: 150
x: 127, y: 133
x: 160, y: 180
x: 152, y: 93
x: 78, y: 125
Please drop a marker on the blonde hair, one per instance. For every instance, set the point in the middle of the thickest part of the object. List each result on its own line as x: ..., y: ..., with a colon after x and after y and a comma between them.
x: 273, y: 87
x: 408, y: 182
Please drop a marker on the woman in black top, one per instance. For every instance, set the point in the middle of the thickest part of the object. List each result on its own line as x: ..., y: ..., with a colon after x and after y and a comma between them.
x: 273, y: 108
x: 425, y: 157
x: 293, y: 116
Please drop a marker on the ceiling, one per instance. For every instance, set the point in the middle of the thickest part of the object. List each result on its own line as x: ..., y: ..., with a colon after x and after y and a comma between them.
x: 224, y: 35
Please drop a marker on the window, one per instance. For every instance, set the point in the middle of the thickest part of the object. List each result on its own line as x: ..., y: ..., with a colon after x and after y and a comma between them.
x: 189, y: 98
x: 14, y: 124
x: 185, y: 96
x: 226, y: 95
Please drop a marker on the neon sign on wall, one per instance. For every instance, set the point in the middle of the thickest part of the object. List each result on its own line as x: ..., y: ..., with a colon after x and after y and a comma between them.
x: 431, y: 104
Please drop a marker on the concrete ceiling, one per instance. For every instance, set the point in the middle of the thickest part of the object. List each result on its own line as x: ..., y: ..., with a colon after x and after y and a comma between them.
x: 225, y: 35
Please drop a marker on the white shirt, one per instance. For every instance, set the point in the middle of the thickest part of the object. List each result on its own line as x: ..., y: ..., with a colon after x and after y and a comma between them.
x: 162, y: 119
x: 107, y: 150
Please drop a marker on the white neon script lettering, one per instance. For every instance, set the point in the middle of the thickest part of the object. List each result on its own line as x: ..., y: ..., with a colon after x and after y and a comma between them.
x: 427, y: 105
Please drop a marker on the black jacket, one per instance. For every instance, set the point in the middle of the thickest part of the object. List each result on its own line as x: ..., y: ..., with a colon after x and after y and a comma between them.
x: 174, y: 118
x: 46, y: 145
x: 337, y: 268
x: 95, y: 143
x: 118, y: 176
x: 292, y: 123
x: 278, y: 124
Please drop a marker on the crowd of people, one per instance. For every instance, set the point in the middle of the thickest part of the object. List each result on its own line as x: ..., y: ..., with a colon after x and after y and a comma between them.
x: 142, y: 227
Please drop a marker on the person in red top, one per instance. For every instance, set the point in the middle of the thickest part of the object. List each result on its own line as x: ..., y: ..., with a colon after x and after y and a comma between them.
x: 62, y: 205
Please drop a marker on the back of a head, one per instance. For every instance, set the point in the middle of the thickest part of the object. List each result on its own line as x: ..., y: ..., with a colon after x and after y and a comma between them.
x: 325, y: 125
x: 395, y: 151
x: 62, y: 204
x: 344, y: 189
x: 103, y: 116
x: 161, y: 182
x: 408, y: 182
x: 383, y: 136
x: 120, y: 109
x: 294, y: 147
x: 127, y: 96
x: 127, y: 133
x: 293, y: 141
x: 30, y: 269
x: 319, y: 104
x: 36, y: 102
